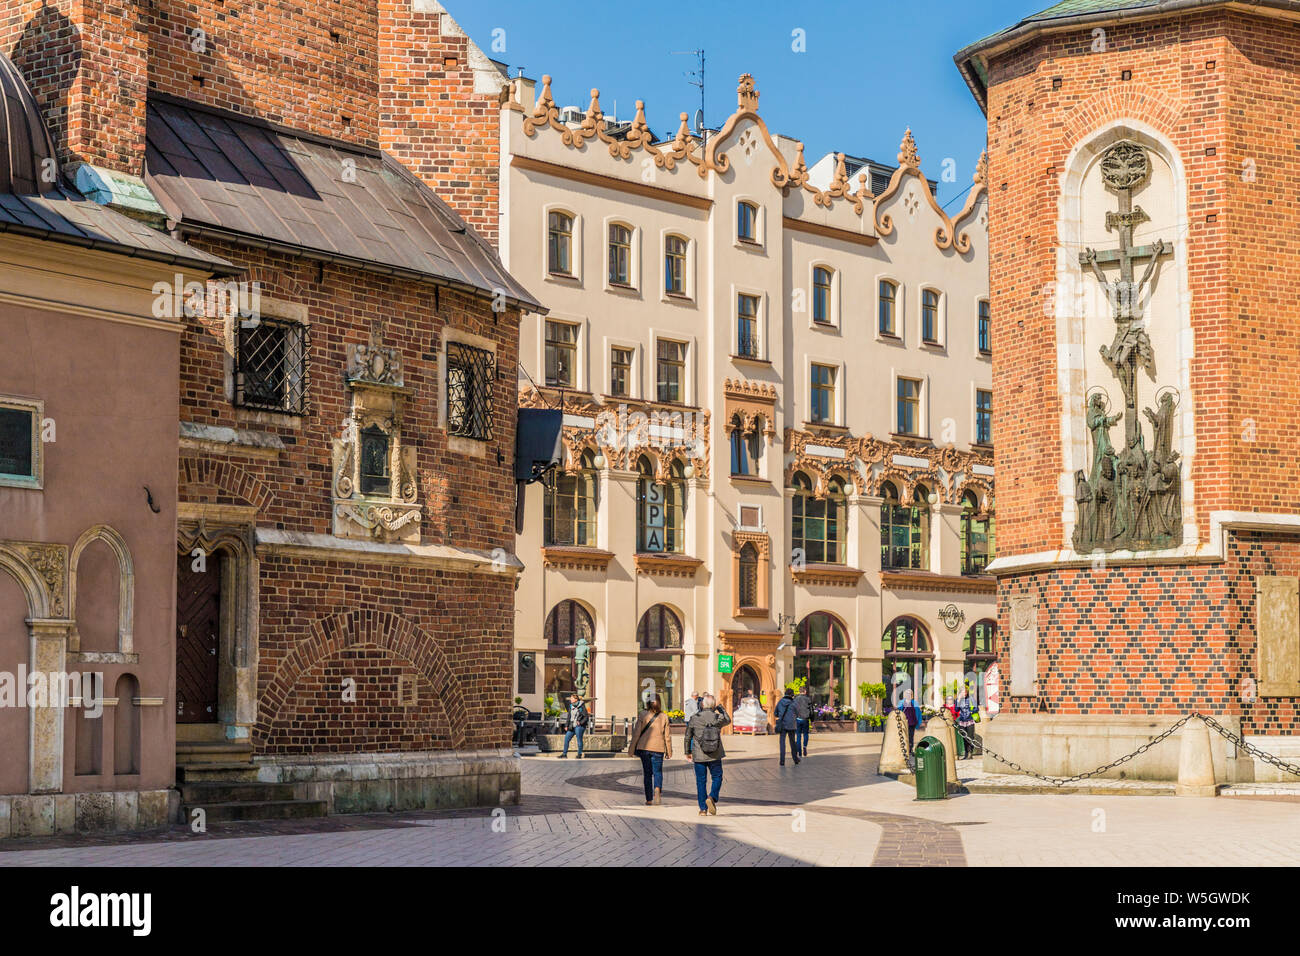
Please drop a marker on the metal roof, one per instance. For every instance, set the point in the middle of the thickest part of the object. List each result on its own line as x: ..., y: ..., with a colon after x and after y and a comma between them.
x: 239, y: 177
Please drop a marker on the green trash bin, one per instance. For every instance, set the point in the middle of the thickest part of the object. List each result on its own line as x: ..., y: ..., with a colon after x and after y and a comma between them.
x: 931, y: 770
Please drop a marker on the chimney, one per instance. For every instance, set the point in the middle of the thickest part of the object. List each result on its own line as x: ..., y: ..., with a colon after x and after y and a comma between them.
x: 87, y: 64
x: 439, y: 108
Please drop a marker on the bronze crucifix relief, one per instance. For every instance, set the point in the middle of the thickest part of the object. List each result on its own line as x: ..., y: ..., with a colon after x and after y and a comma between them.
x: 1131, y: 499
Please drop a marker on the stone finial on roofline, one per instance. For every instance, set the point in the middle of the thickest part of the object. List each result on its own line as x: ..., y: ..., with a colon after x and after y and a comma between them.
x: 907, y: 154
x: 746, y: 95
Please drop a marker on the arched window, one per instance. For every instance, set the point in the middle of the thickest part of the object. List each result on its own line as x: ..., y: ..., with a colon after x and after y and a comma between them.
x: 675, y: 265
x: 745, y: 447
x: 821, y: 649
x: 980, y: 650
x: 659, y: 659
x: 559, y: 243
x: 748, y: 582
x: 817, y: 525
x: 908, y: 658
x: 126, y: 726
x: 904, y: 530
x: 567, y: 623
x: 822, y: 278
x: 570, y: 506
x: 661, y: 509
x: 746, y: 222
x: 620, y: 254
x: 976, y: 536
x: 930, y: 316
x: 888, y: 302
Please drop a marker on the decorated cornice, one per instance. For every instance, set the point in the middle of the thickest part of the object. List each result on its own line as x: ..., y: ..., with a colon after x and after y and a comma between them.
x: 829, y: 575
x: 749, y: 391
x: 576, y: 558
x: 868, y: 462
x: 667, y: 565
x: 624, y: 415
x: 923, y: 581
x: 909, y: 165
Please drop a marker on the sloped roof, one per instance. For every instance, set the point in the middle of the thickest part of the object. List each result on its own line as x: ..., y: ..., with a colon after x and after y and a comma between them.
x: 34, y: 200
x: 1074, y: 14
x: 220, y: 173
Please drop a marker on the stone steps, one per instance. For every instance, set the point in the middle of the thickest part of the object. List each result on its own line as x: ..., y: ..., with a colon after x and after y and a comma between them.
x: 242, y: 810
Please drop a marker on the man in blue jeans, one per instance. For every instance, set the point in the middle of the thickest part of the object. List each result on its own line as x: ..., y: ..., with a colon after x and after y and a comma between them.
x: 704, y: 748
x: 802, y: 716
x: 577, y: 724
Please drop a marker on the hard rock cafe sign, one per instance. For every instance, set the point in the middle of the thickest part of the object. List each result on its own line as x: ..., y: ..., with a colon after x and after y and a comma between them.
x: 952, y: 616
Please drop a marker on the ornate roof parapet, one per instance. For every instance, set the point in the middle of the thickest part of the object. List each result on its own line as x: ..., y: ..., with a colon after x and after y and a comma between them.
x: 979, y: 190
x: 946, y: 235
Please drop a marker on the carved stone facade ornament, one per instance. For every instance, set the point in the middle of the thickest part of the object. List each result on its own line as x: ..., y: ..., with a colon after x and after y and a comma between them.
x: 867, y: 463
x: 376, y: 484
x: 1130, y: 498
x: 50, y: 561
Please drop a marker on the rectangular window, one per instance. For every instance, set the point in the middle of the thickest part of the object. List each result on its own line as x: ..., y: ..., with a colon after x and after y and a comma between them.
x: 271, y: 366
x: 20, y: 448
x: 822, y: 295
x: 620, y: 372
x: 671, y: 368
x: 985, y: 331
x: 470, y: 374
x: 620, y: 255
x: 909, y: 406
x: 747, y: 222
x: 559, y: 244
x: 821, y: 401
x: 930, y: 317
x: 983, y: 417
x: 888, y: 300
x: 561, y: 354
x: 747, y: 325
x: 675, y: 265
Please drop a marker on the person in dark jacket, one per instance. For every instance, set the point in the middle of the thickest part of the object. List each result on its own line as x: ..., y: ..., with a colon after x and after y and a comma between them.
x: 966, y: 722
x: 787, y: 725
x: 802, y: 719
x: 912, y: 712
x: 576, y: 724
x: 704, y: 747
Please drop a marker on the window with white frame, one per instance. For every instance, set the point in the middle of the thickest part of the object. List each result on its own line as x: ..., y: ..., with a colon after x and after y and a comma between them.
x: 559, y: 243
x: 620, y: 255
x: 675, y: 252
x: 823, y: 287
x: 930, y: 317
x: 561, y: 354
x: 821, y: 393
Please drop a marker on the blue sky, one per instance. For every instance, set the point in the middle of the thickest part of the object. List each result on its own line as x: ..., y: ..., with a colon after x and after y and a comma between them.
x: 870, y: 69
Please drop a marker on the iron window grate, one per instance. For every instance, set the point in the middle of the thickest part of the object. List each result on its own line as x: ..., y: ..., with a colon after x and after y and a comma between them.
x: 271, y: 366
x: 470, y: 374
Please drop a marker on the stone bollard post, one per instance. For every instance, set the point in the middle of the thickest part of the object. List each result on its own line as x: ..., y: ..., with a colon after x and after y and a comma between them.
x: 892, y: 758
x: 1196, y: 762
x: 942, y: 731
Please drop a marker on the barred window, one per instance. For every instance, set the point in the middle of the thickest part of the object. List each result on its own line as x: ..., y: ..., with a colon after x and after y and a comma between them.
x: 271, y: 366
x: 470, y: 373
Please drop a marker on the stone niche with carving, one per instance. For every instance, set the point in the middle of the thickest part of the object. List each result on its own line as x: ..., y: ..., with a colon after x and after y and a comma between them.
x: 376, y: 486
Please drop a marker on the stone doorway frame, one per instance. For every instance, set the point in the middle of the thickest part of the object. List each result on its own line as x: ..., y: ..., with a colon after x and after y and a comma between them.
x: 230, y: 529
x: 756, y: 650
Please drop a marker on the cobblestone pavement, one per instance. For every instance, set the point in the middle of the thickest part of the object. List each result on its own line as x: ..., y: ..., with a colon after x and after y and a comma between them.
x: 831, y: 810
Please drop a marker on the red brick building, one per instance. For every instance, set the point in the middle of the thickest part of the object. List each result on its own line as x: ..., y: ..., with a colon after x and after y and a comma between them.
x: 347, y: 411
x: 1204, y: 90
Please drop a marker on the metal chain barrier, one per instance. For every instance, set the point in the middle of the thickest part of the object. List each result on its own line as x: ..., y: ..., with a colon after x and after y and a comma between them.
x: 1062, y: 781
x: 902, y: 743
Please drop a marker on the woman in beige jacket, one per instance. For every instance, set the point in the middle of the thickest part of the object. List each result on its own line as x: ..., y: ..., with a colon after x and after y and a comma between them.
x: 653, y: 743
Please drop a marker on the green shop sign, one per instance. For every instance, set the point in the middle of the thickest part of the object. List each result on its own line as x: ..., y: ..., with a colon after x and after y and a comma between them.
x: 725, y: 662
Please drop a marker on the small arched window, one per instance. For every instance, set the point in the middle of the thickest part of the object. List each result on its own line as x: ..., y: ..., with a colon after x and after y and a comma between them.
x: 888, y: 302
x: 567, y: 622
x: 571, y: 508
x: 559, y: 243
x: 620, y: 254
x: 930, y: 316
x: 745, y: 447
x: 817, y: 524
x: 822, y: 281
x: 659, y: 630
x: 746, y: 221
x: 748, y: 583
x: 675, y: 265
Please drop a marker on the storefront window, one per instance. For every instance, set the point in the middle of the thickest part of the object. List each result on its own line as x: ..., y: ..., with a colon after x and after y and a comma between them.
x: 659, y: 661
x: 980, y: 650
x: 907, y: 663
x: 565, y: 625
x: 822, y: 656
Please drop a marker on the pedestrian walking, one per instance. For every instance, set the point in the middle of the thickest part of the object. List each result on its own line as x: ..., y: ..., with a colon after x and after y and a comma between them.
x: 966, y: 722
x: 575, y: 724
x: 912, y: 712
x: 692, y: 705
x: 653, y: 743
x: 787, y: 725
x: 802, y: 718
x: 704, y: 747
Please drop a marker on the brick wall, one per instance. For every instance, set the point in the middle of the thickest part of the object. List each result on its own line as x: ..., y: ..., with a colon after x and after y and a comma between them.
x: 1155, y: 640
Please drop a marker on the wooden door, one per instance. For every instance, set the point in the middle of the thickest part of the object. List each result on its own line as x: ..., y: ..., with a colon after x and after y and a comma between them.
x: 198, y: 629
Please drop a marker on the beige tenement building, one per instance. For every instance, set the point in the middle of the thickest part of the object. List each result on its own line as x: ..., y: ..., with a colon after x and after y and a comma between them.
x: 776, y: 386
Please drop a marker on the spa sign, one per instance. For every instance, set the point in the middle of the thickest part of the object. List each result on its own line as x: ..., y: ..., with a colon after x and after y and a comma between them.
x: 725, y: 663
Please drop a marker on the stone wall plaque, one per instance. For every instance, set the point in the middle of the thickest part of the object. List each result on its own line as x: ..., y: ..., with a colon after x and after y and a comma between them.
x: 1024, y: 647
x: 1277, y: 601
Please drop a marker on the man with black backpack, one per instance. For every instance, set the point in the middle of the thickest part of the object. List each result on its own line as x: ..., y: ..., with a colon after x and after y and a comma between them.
x: 704, y: 748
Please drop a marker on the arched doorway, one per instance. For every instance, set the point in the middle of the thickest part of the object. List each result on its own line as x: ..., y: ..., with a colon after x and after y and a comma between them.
x: 743, y: 683
x: 659, y: 659
x: 567, y: 623
x: 909, y: 658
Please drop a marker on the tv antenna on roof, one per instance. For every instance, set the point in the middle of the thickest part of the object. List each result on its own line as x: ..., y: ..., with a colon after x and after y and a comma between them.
x: 698, y: 81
